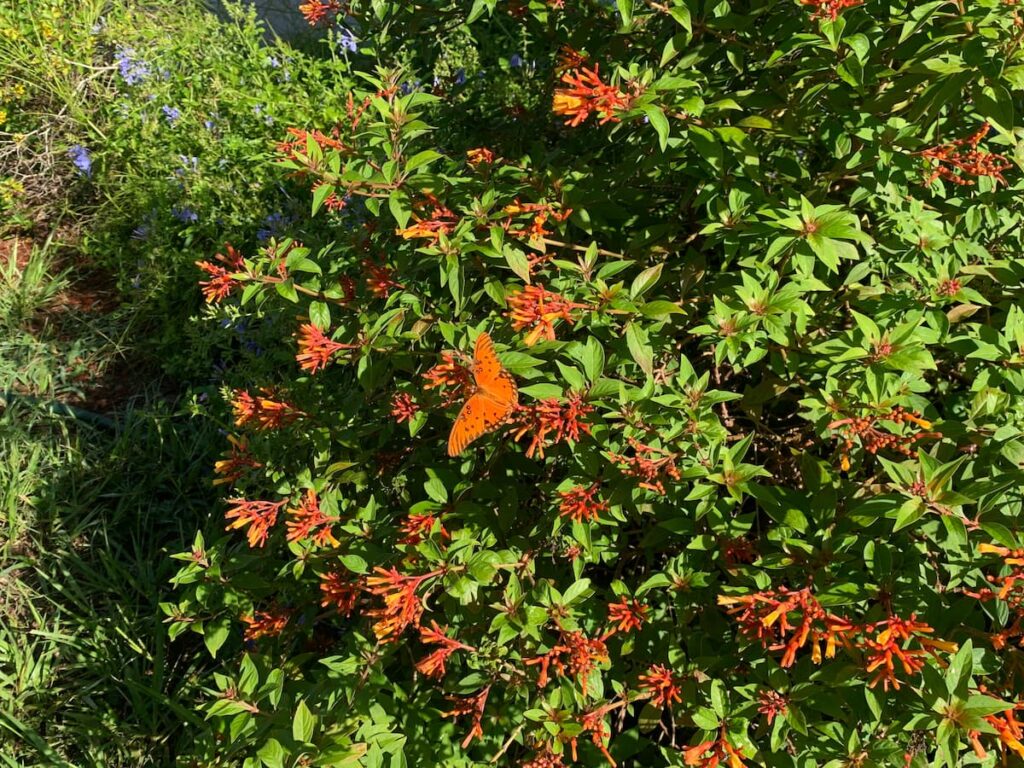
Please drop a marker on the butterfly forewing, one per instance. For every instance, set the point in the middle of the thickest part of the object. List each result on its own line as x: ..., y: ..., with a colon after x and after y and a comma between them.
x: 495, y: 397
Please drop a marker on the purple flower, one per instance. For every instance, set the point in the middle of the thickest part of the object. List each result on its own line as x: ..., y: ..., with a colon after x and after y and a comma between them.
x: 273, y: 62
x: 208, y: 125
x: 347, y: 41
x: 141, y: 232
x: 184, y: 214
x: 133, y: 71
x: 172, y: 114
x: 515, y: 61
x: 82, y: 159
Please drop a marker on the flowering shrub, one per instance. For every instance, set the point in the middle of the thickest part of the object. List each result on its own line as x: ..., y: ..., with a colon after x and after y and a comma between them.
x: 742, y: 482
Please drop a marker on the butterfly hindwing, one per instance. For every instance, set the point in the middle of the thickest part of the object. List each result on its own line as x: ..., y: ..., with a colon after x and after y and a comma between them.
x: 494, y: 400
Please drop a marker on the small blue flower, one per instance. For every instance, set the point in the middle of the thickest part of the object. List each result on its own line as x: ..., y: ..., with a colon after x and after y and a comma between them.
x: 171, y: 114
x: 132, y: 70
x: 208, y: 125
x: 273, y: 62
x: 141, y: 232
x: 460, y: 76
x: 184, y: 214
x: 82, y: 159
x: 515, y: 61
x: 347, y: 41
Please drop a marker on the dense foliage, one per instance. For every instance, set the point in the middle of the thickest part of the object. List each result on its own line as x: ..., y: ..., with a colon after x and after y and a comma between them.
x: 755, y: 270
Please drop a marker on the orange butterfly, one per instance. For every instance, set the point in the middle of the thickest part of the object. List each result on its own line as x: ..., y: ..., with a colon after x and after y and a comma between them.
x: 493, y: 400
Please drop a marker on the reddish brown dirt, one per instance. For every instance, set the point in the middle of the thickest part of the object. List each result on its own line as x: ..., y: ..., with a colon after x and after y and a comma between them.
x: 15, y: 244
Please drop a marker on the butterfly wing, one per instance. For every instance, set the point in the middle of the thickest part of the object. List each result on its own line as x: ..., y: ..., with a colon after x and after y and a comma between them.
x: 495, y: 397
x: 479, y: 415
x: 491, y: 377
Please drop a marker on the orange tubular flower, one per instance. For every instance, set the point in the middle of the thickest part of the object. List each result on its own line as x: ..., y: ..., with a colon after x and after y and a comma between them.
x: 222, y: 280
x: 765, y: 616
x: 959, y: 166
x: 709, y: 754
x: 263, y: 412
x: 537, y: 308
x: 830, y: 9
x: 402, y: 606
x: 403, y: 407
x: 480, y: 156
x: 236, y: 463
x: 455, y: 378
x: 652, y: 472
x: 418, y: 527
x: 582, y: 504
x: 548, y: 416
x: 320, y: 11
x: 380, y: 280
x: 340, y: 592
x: 587, y: 94
x: 473, y: 706
x: 661, y: 686
x: 434, y: 664
x: 628, y: 615
x: 309, y: 522
x: 315, y: 348
x: 259, y: 516
x: 265, y: 624
x: 772, y: 704
x: 891, y: 645
x: 439, y: 220
x: 582, y: 654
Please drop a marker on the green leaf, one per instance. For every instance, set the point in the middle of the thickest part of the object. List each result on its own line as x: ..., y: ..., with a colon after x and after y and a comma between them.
x: 303, y: 723
x: 272, y: 754
x: 639, y: 348
x: 320, y: 194
x: 215, y: 632
x: 646, y: 280
x: 320, y: 315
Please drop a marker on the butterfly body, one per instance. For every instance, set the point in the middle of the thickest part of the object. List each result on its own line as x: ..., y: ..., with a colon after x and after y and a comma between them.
x: 494, y: 398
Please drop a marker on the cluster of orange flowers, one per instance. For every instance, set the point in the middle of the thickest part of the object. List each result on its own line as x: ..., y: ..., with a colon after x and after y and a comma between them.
x: 1009, y: 729
x: 265, y: 624
x: 479, y: 156
x: 236, y: 463
x: 320, y: 11
x: 661, y: 686
x: 626, y: 615
x: 474, y: 707
x: 1008, y: 587
x: 574, y: 651
x: 550, y: 421
x: 431, y: 219
x: 258, y: 517
x: 582, y: 504
x: 339, y: 592
x: 541, y: 213
x: 380, y: 279
x: 308, y: 521
x: 771, y: 704
x: 416, y: 528
x: 264, y: 411
x: 402, y: 606
x: 652, y: 466
x: 766, y: 616
x: 709, y: 754
x: 222, y: 278
x: 537, y: 308
x: 296, y: 145
x: 434, y: 664
x: 830, y: 9
x: 958, y: 165
x: 316, y: 348
x: 586, y: 94
x: 452, y: 377
x: 865, y: 429
x: 403, y: 407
